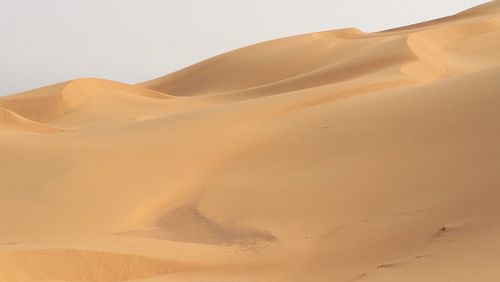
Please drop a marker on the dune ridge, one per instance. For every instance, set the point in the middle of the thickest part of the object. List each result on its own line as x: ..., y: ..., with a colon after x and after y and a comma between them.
x: 331, y: 156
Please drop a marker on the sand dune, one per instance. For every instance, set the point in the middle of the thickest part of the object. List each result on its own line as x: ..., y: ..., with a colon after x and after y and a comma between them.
x: 331, y: 156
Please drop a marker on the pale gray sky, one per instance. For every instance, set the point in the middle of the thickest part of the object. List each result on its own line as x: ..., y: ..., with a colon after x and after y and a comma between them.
x: 49, y: 41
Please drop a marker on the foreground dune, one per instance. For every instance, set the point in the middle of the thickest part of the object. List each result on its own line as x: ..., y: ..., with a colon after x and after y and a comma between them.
x: 332, y: 156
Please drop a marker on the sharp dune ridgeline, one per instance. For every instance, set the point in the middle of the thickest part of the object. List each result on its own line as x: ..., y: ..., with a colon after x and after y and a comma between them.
x: 330, y: 156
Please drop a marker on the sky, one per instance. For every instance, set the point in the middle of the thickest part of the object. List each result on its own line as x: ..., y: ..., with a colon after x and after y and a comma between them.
x: 50, y: 41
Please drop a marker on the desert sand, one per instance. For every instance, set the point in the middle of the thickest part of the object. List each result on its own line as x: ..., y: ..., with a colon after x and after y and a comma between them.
x: 331, y: 156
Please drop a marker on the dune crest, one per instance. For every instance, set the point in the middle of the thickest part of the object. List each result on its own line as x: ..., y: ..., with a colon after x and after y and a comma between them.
x: 332, y: 156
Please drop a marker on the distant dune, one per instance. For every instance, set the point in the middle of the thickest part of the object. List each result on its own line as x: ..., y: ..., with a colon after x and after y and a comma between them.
x: 331, y: 156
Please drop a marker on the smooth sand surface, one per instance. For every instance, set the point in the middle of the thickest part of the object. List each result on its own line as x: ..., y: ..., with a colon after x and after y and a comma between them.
x: 332, y: 156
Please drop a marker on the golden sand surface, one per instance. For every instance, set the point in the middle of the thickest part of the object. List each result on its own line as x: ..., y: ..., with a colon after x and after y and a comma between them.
x: 331, y: 156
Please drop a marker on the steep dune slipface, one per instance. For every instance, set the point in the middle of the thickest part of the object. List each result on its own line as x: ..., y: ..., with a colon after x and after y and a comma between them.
x: 332, y: 156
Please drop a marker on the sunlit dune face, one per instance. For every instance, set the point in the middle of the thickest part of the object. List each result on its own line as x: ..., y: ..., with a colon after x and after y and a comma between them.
x: 334, y: 156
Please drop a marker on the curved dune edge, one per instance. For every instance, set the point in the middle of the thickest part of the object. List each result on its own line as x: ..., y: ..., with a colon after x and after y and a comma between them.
x: 429, y: 46
x: 77, y: 91
x: 51, y: 102
x: 12, y: 121
x: 83, y: 265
